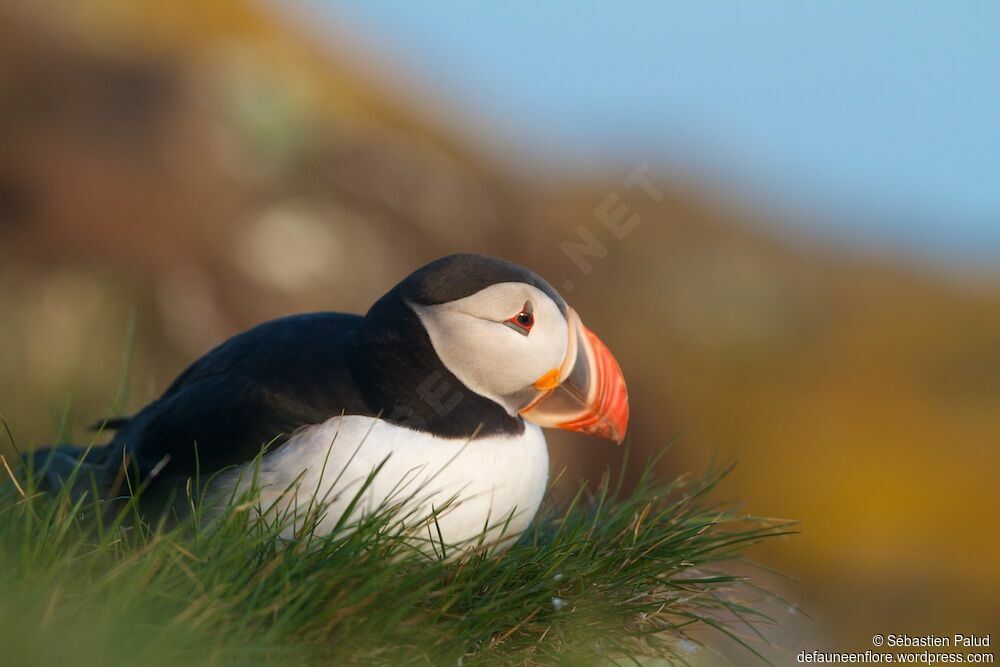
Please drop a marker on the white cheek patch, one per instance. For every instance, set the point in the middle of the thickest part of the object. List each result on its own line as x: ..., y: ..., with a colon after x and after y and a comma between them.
x: 488, y: 357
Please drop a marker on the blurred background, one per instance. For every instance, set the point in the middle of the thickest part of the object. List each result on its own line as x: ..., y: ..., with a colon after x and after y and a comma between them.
x: 791, y: 215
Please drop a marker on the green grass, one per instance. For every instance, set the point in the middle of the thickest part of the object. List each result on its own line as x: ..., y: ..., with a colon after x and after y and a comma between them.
x: 607, y: 577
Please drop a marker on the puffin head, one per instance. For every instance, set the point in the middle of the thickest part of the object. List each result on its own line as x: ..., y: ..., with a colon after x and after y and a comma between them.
x: 509, y: 337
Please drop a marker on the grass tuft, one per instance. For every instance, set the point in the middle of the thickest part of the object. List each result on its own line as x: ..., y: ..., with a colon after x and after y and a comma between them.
x: 605, y: 577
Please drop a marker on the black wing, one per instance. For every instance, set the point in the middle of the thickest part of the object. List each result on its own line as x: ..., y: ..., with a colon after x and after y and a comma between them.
x: 254, y: 389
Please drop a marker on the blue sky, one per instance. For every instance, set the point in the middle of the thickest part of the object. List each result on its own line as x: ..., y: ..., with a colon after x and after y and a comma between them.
x: 880, y: 120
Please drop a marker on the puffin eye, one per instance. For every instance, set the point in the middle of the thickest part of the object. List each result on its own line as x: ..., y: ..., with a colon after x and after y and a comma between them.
x: 523, y: 321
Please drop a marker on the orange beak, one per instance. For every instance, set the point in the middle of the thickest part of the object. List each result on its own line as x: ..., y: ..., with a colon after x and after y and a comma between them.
x: 587, y: 393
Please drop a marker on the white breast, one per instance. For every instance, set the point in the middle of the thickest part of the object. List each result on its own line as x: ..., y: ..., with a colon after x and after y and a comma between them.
x: 498, y: 480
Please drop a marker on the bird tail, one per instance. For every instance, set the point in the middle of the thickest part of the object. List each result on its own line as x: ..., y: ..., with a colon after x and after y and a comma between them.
x: 75, y: 469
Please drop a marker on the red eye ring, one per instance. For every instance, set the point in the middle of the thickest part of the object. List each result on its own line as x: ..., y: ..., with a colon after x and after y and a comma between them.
x: 523, y: 321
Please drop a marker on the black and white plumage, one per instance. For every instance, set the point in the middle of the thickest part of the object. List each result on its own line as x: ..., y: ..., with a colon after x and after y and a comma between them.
x: 446, y: 379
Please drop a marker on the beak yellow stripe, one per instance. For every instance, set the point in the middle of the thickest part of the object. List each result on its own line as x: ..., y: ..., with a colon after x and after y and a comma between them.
x: 548, y: 381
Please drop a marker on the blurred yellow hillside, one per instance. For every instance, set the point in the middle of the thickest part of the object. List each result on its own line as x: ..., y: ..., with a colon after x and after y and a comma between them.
x: 212, y: 166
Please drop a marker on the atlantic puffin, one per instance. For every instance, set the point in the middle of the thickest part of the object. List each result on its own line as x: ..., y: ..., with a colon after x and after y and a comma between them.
x: 443, y: 387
